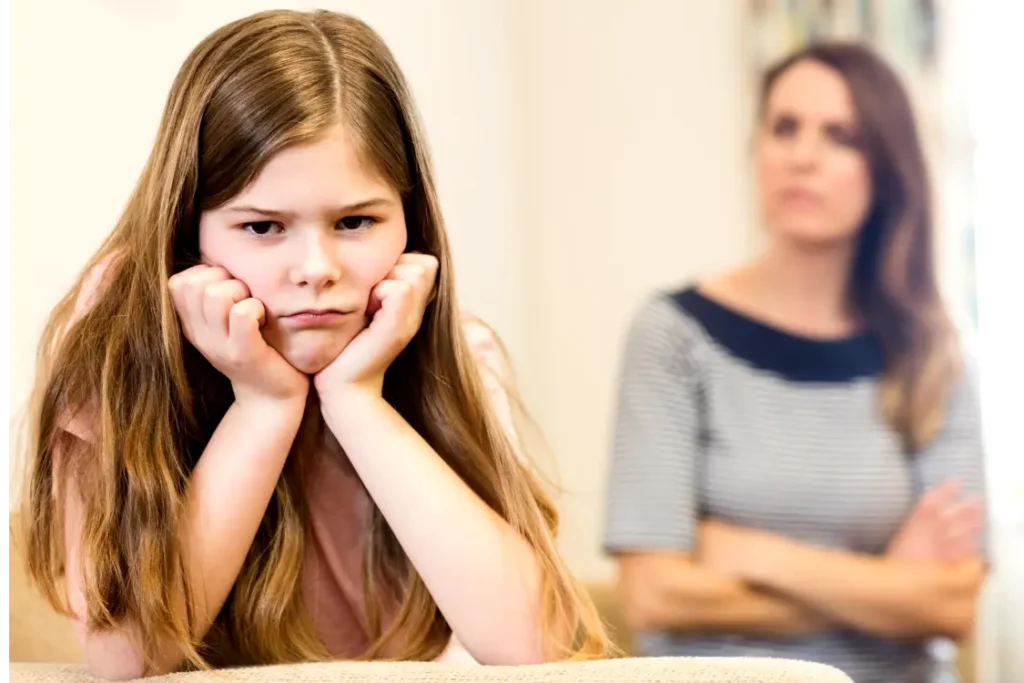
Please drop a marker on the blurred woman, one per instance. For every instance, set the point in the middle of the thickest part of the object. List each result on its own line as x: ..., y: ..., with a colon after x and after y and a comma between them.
x: 797, y: 466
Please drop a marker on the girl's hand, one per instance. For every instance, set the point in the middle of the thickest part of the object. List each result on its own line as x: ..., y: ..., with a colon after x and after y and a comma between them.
x: 222, y: 320
x: 396, y: 310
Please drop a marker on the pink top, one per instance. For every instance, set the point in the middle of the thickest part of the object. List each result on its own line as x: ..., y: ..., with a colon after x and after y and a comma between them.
x: 340, y: 507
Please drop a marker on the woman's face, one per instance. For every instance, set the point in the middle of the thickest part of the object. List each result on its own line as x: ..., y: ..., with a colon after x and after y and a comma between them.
x: 313, y: 233
x: 813, y: 179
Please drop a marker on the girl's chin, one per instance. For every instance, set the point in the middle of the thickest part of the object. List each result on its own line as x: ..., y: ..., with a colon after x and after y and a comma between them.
x: 311, y: 360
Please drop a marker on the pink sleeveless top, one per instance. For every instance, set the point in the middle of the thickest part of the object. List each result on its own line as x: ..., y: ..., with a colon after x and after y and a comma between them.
x: 340, y: 507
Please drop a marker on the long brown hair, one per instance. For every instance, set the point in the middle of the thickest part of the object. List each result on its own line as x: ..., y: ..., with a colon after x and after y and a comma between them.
x: 893, y: 283
x: 249, y: 90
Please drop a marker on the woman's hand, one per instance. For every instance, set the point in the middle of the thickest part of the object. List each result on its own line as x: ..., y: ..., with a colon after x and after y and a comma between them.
x: 942, y: 527
x: 731, y: 550
x: 222, y: 320
x: 396, y: 310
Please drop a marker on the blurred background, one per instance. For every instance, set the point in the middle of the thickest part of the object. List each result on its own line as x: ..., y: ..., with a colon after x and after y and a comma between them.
x: 587, y: 152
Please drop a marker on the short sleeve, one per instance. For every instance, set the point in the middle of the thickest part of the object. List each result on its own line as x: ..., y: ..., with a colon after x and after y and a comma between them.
x: 956, y: 451
x: 652, y: 495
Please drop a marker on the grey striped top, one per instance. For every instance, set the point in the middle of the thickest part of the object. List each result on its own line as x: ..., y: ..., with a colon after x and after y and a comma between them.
x: 720, y: 415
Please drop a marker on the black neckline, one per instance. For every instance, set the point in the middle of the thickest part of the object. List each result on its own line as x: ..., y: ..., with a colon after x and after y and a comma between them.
x: 796, y: 358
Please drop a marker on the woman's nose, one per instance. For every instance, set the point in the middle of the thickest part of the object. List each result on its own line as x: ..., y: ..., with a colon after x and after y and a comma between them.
x: 805, y: 149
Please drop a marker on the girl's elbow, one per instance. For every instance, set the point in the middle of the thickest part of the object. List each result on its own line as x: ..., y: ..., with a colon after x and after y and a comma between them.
x: 524, y: 646
x: 108, y: 670
x: 510, y: 653
x: 109, y: 656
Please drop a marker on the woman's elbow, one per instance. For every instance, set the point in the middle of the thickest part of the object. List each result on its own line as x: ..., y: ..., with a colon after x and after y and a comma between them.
x: 958, y: 610
x: 950, y: 617
x: 956, y: 619
x: 643, y: 605
x: 638, y: 616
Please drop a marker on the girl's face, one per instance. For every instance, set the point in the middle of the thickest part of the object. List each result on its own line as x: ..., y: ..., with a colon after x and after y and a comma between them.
x: 311, y: 236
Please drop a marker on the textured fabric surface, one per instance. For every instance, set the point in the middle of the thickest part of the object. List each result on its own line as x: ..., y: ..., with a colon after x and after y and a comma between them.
x: 654, y: 670
x: 722, y: 416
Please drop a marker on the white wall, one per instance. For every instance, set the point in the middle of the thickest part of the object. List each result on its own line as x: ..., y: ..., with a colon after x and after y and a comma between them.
x: 996, y: 112
x: 637, y: 180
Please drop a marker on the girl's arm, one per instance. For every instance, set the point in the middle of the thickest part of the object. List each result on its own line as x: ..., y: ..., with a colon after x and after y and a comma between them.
x: 232, y: 483
x: 483, y: 575
x: 227, y: 497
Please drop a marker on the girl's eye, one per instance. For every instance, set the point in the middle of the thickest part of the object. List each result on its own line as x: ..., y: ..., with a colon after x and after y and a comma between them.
x: 356, y: 223
x: 262, y: 228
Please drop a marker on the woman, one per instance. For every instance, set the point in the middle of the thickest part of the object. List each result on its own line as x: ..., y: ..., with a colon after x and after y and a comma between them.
x: 259, y: 433
x: 797, y: 466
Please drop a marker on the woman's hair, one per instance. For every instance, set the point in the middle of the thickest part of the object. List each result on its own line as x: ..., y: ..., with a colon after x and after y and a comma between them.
x: 893, y: 283
x: 248, y: 91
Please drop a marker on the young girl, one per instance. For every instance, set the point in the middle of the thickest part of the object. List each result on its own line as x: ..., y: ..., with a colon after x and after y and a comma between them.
x: 259, y: 433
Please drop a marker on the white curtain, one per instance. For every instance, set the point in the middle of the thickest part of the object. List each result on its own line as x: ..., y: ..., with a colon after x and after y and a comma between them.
x: 995, y: 52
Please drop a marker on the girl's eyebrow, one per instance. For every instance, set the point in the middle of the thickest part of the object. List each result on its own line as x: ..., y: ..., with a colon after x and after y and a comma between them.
x: 376, y: 202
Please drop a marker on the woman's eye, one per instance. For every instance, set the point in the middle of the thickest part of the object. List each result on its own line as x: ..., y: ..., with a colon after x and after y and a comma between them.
x: 356, y: 222
x: 262, y: 228
x: 784, y: 126
x: 844, y: 136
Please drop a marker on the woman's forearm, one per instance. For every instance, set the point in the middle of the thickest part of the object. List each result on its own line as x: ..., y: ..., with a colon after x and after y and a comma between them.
x: 483, y: 574
x: 886, y: 596
x: 671, y: 592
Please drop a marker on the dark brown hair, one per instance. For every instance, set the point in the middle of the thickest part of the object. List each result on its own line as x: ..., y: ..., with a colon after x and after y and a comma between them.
x: 893, y: 283
x: 246, y: 92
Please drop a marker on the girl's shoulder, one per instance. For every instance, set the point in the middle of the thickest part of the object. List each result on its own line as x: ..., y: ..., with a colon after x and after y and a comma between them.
x: 94, y: 283
x: 81, y: 421
x: 486, y: 346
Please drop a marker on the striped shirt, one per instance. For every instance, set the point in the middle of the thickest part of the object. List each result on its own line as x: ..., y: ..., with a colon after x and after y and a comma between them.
x: 722, y: 416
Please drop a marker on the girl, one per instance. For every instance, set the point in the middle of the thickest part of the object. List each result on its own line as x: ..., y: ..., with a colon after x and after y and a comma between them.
x: 779, y: 425
x: 259, y: 435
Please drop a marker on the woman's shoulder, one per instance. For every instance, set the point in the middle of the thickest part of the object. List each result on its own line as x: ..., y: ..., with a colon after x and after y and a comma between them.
x: 666, y: 319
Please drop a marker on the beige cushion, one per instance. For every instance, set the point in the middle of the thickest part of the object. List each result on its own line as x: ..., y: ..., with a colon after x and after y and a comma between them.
x: 686, y: 670
x: 39, y: 634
